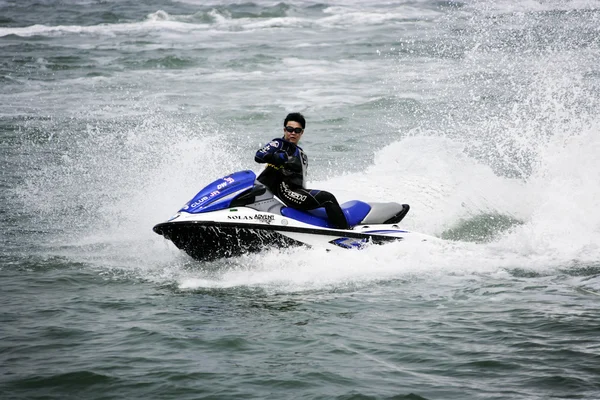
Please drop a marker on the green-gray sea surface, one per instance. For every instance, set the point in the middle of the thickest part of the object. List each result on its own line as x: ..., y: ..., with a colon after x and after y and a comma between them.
x: 482, y: 115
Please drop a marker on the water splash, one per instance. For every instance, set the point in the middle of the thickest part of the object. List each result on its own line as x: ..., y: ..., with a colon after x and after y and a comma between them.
x: 507, y: 128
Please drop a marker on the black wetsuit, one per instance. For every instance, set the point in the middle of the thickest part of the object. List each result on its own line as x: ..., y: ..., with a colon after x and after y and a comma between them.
x: 285, y: 174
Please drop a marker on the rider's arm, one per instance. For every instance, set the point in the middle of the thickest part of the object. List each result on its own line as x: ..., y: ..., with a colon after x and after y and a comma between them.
x: 271, y: 153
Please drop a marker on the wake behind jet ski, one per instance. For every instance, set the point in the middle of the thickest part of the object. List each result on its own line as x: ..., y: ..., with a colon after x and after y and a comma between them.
x: 237, y: 214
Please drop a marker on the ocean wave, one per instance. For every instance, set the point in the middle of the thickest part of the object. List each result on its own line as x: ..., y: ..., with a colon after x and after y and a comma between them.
x: 229, y: 19
x: 165, y: 62
x: 348, y: 16
x: 154, y: 22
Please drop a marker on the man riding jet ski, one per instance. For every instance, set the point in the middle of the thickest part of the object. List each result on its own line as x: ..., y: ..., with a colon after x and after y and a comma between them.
x: 240, y: 213
x: 286, y: 172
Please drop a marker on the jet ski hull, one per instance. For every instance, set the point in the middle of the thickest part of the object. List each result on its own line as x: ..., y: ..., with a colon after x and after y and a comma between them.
x: 206, y: 241
x: 210, y: 240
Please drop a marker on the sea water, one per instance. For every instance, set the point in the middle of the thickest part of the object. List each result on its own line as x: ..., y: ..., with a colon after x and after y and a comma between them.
x: 482, y: 115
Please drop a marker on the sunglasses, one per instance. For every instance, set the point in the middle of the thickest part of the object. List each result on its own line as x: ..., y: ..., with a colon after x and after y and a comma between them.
x: 291, y: 129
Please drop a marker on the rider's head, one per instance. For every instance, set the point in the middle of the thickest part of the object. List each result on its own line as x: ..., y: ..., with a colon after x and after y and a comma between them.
x: 293, y: 127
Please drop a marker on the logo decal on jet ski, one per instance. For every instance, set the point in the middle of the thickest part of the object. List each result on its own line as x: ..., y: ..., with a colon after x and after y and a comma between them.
x: 227, y: 180
x: 239, y: 217
x: 267, y: 219
x: 203, y: 199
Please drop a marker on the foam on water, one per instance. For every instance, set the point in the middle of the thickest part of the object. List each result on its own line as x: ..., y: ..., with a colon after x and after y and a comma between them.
x: 105, y: 29
x: 537, y: 163
x: 565, y: 190
x: 122, y: 171
x: 219, y: 20
x: 436, y: 177
x: 449, y: 187
x: 531, y: 160
x: 138, y: 176
x: 344, y: 16
x: 439, y: 198
x: 508, y: 6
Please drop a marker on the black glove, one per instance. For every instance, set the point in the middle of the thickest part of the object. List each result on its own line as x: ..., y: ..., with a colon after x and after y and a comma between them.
x: 281, y: 157
x: 293, y: 164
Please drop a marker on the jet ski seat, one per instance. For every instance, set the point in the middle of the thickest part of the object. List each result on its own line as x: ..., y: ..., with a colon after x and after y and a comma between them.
x: 354, y: 210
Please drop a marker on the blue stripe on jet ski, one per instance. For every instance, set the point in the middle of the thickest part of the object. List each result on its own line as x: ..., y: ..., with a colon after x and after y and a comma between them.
x: 386, y: 231
x: 354, y: 210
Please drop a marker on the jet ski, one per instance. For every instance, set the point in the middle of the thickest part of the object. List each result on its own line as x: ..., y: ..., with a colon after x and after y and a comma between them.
x: 236, y: 214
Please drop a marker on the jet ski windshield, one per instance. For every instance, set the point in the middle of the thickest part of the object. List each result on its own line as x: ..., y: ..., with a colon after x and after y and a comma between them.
x: 219, y: 194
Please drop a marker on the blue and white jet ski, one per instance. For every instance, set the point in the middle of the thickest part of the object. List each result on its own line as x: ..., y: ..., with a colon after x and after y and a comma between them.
x: 236, y: 215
